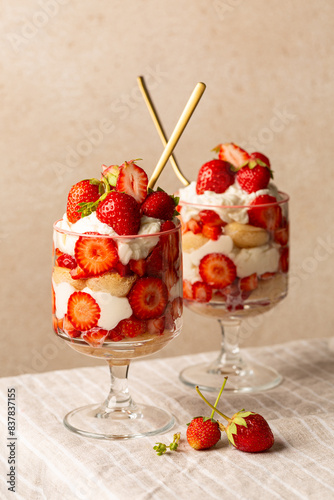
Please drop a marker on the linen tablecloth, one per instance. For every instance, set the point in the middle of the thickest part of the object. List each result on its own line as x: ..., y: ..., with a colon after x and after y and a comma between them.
x: 53, y: 463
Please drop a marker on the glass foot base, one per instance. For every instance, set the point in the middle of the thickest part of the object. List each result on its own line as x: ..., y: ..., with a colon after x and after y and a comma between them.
x: 97, y: 422
x: 252, y: 378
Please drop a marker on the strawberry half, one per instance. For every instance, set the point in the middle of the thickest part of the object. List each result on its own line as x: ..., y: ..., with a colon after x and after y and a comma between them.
x: 232, y: 153
x: 83, y: 311
x: 217, y: 270
x: 203, y: 433
x: 121, y: 212
x: 148, y: 298
x: 215, y: 175
x: 132, y: 180
x: 268, y: 217
x: 95, y: 255
x: 85, y: 191
x: 249, y: 432
x: 202, y: 292
x: 249, y: 283
x: 159, y: 205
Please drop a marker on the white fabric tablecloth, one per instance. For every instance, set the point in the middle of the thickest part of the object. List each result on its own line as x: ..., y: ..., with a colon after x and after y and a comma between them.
x: 53, y: 463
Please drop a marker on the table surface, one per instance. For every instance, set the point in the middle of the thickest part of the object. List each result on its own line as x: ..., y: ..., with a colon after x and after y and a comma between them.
x: 53, y: 463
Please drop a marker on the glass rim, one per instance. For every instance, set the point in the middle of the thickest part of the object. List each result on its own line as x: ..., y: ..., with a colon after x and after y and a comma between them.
x: 285, y: 199
x: 118, y: 236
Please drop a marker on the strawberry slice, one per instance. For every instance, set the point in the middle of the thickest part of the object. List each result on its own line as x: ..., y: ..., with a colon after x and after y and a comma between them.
x: 211, y: 232
x: 194, y: 226
x: 138, y: 266
x: 148, y: 298
x: 281, y: 235
x: 154, y: 262
x: 95, y: 255
x: 211, y: 218
x: 83, y: 311
x: 268, y: 217
x: 95, y: 336
x: 65, y: 260
x: 248, y: 283
x: 284, y: 260
x: 132, y: 180
x: 232, y: 153
x: 188, y: 290
x: 156, y: 326
x: 115, y: 335
x: 217, y: 270
x: 69, y: 328
x: 202, y: 291
x: 131, y: 327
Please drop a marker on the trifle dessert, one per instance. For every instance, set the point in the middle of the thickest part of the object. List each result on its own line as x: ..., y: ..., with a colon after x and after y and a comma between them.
x: 116, y: 281
x: 235, y: 235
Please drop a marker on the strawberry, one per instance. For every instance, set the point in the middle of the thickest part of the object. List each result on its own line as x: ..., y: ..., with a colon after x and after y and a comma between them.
x: 156, y: 326
x: 78, y: 274
x: 110, y: 174
x: 115, y: 335
x: 232, y: 153
x: 176, y: 308
x: 95, y: 336
x: 260, y: 159
x: 95, y: 255
x: 148, y: 298
x: 250, y: 432
x: 268, y: 217
x: 210, y: 218
x: 154, y: 262
x: 132, y: 180
x: 69, y: 328
x: 194, y: 226
x: 138, y: 266
x: 211, y: 232
x: 281, y: 235
x: 217, y: 270
x: 215, y: 175
x: 203, y: 433
x: 188, y: 292
x: 159, y: 205
x: 253, y: 176
x: 82, y: 192
x: 131, y: 327
x: 248, y: 283
x: 65, y: 260
x: 202, y: 292
x: 123, y: 269
x: 83, y: 311
x: 167, y: 226
x: 121, y: 212
x: 267, y: 276
x: 284, y: 260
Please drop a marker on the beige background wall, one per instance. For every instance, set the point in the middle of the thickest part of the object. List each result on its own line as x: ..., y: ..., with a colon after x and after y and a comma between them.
x: 70, y: 102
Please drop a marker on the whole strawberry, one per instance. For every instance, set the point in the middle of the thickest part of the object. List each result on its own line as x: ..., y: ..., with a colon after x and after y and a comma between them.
x: 256, y: 174
x: 121, y: 212
x: 82, y: 192
x: 249, y: 432
x: 215, y: 175
x: 203, y: 433
x: 160, y: 205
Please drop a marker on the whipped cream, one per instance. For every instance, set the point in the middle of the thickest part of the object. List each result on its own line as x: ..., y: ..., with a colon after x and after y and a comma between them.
x: 128, y: 248
x: 223, y: 203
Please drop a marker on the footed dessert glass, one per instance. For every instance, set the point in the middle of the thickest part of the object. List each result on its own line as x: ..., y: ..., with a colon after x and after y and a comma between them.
x: 131, y: 309
x: 233, y: 272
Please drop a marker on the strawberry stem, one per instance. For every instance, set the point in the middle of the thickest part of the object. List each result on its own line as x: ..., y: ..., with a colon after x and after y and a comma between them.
x: 212, y: 406
x: 218, y: 397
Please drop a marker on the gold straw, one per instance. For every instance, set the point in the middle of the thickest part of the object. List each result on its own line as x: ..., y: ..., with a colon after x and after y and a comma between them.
x: 177, y: 132
x: 159, y: 127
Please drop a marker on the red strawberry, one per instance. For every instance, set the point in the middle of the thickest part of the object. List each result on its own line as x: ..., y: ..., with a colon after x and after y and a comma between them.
x: 95, y: 255
x: 267, y: 276
x: 167, y: 226
x: 131, y: 327
x: 253, y: 177
x: 215, y: 175
x: 284, y: 260
x: 281, y: 235
x: 133, y: 181
x: 78, y: 274
x: 156, y: 326
x: 249, y: 432
x: 148, y: 298
x: 121, y: 212
x: 69, y: 328
x: 211, y: 232
x: 260, y: 159
x: 83, y: 311
x: 138, y: 266
x: 123, y: 269
x: 203, y: 433
x: 154, y: 262
x: 268, y: 217
x: 188, y: 292
x: 194, y: 226
x: 176, y: 308
x: 115, y: 335
x: 217, y: 270
x: 159, y: 205
x: 65, y: 260
x: 232, y: 153
x: 210, y: 218
x: 82, y: 192
x: 248, y: 283
x: 202, y: 292
x: 95, y: 336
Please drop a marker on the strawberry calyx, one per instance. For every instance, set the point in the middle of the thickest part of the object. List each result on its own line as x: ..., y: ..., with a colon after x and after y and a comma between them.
x: 104, y: 188
x: 110, y: 174
x: 237, y: 419
x: 251, y: 164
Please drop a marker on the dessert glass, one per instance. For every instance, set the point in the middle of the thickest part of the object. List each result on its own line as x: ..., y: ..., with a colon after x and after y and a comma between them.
x: 119, y: 417
x: 260, y: 253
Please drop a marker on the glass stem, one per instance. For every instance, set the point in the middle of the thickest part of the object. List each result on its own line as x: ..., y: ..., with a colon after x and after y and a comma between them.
x: 229, y: 359
x: 119, y: 399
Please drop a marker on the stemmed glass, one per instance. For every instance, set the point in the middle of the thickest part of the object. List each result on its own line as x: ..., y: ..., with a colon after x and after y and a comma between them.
x: 259, y: 258
x: 95, y: 315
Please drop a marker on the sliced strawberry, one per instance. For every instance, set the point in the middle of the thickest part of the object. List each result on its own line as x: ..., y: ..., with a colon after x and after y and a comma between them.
x: 217, y: 270
x: 210, y: 218
x: 159, y: 205
x: 115, y: 335
x: 177, y: 308
x: 132, y: 180
x: 188, y: 290
x: 202, y: 291
x: 232, y: 153
x: 69, y: 328
x: 194, y: 226
x: 138, y: 266
x: 132, y: 327
x: 82, y: 192
x: 216, y: 176
x: 281, y: 235
x: 211, y: 232
x: 268, y: 217
x: 170, y: 278
x: 156, y: 326
x: 123, y: 269
x: 83, y: 311
x: 154, y: 262
x: 148, y: 298
x: 79, y: 274
x: 95, y: 255
x: 267, y: 276
x: 167, y: 225
x: 248, y: 283
x: 284, y: 260
x: 95, y: 336
x: 53, y: 300
x: 65, y: 260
